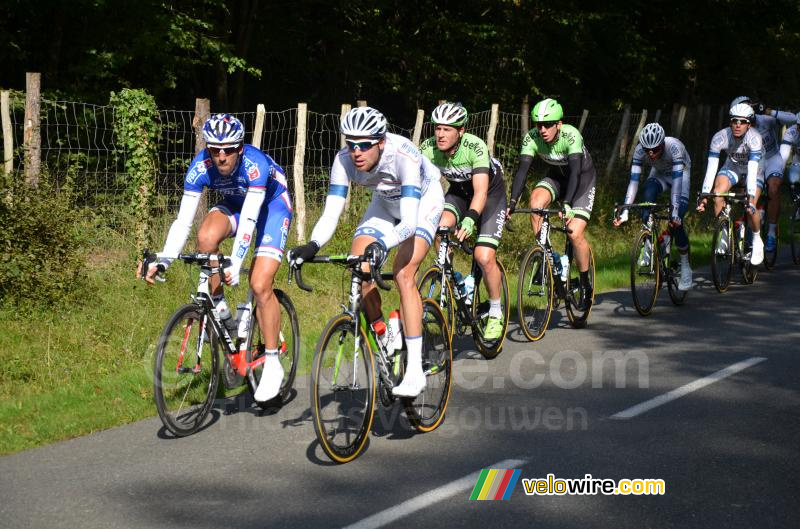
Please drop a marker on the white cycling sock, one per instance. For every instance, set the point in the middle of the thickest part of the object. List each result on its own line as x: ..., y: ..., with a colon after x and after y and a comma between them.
x: 495, y: 308
x: 414, y: 380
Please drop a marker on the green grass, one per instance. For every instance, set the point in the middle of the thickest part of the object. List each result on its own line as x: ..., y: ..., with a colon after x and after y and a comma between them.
x: 85, y: 366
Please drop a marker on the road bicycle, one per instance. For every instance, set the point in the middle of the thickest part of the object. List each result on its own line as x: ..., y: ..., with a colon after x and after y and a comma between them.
x: 794, y: 224
x: 654, y: 262
x: 546, y: 278
x: 344, y: 385
x: 464, y: 310
x: 731, y: 243
x: 187, y: 362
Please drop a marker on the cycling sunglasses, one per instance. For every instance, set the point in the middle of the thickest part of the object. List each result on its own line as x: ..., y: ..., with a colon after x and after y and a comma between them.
x: 364, y: 145
x: 737, y: 121
x: 546, y: 124
x: 227, y: 150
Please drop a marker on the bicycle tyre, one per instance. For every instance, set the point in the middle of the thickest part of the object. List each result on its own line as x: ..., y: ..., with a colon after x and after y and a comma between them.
x: 186, y: 371
x: 426, y: 411
x: 678, y: 297
x: 430, y: 285
x: 721, y: 257
x: 480, y: 314
x: 577, y: 317
x: 289, y: 350
x: 645, y: 280
x: 795, y: 235
x: 342, y: 433
x: 770, y: 258
x: 535, y: 298
x: 748, y: 271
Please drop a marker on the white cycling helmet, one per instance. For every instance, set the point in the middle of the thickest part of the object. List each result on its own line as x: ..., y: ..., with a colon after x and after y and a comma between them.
x: 742, y: 110
x: 452, y: 114
x: 364, y: 122
x: 652, y: 136
x: 222, y: 130
x: 741, y: 99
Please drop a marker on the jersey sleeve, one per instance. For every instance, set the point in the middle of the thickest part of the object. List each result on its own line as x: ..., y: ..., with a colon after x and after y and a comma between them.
x: 197, y: 176
x: 529, y: 147
x: 334, y: 203
x: 409, y: 172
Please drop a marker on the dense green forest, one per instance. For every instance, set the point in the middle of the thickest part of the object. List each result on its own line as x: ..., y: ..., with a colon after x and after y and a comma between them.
x: 399, y: 55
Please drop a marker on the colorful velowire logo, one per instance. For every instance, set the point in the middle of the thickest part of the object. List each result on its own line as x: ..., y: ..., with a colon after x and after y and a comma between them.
x: 495, y: 484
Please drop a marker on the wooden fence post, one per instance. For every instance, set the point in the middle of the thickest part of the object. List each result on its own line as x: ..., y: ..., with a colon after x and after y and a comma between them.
x: 623, y: 128
x: 345, y: 109
x: 8, y: 134
x: 639, y: 127
x: 297, y: 172
x: 525, y: 111
x: 361, y: 103
x: 584, y: 117
x: 202, y: 110
x: 418, y: 126
x: 33, y: 135
x: 258, y: 131
x: 492, y: 128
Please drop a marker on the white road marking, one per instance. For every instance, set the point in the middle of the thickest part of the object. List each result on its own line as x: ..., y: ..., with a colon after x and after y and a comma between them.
x: 428, y: 498
x: 677, y: 393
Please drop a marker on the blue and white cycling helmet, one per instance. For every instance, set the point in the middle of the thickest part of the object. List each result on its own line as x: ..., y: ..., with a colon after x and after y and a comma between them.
x: 652, y: 136
x: 223, y: 130
x: 364, y: 122
x: 741, y: 99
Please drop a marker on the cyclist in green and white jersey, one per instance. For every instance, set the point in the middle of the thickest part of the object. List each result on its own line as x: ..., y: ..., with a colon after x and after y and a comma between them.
x: 571, y: 177
x: 476, y: 198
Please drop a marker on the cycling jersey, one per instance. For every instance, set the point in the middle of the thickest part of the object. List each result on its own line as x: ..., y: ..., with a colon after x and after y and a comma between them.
x: 791, y: 140
x: 571, y: 175
x: 255, y: 189
x: 471, y: 157
x: 744, y: 158
x: 399, y: 180
x: 769, y: 125
x: 672, y: 170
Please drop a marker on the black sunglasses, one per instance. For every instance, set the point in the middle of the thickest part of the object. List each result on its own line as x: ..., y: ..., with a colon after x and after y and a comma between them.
x: 546, y: 124
x: 226, y: 150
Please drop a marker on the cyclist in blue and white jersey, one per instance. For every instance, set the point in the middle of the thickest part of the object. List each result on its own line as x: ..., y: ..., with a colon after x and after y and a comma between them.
x: 671, y: 169
x: 791, y: 140
x: 768, y: 123
x: 744, y: 147
x: 407, y: 201
x: 254, y: 195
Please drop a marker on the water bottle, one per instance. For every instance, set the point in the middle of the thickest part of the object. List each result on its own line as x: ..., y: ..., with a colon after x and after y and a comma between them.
x: 243, y: 313
x: 459, y: 283
x: 564, y: 268
x: 226, y: 316
x: 664, y: 239
x: 380, y: 331
x: 395, y: 332
x: 556, y: 264
x: 469, y: 286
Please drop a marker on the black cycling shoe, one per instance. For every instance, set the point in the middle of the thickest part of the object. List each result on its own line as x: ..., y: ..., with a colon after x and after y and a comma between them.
x: 586, y: 298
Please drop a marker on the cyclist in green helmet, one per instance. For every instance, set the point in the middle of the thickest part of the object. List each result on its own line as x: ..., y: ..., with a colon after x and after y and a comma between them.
x: 570, y: 177
x: 476, y: 198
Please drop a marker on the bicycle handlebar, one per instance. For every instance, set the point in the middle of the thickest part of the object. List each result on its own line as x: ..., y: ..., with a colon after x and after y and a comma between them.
x: 544, y: 211
x: 448, y: 231
x: 732, y: 196
x: 350, y: 261
x: 202, y: 259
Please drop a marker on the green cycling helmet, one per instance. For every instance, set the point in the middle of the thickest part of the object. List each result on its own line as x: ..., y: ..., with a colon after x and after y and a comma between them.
x: 547, y: 110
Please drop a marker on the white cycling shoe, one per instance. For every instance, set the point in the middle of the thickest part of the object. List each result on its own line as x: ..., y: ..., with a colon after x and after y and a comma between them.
x: 412, y: 385
x: 271, y: 377
x: 757, y: 257
x: 685, y: 282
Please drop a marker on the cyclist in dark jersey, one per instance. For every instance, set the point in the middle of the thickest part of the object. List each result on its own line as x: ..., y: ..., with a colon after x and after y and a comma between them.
x: 476, y: 198
x: 571, y: 178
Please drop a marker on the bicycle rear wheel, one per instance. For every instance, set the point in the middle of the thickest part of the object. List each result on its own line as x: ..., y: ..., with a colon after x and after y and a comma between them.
x: 673, y: 275
x: 288, y: 350
x: 342, y: 389
x: 431, y: 285
x: 535, y: 293
x: 645, y: 272
x: 480, y: 314
x: 794, y: 233
x: 426, y: 411
x: 578, y: 317
x: 186, y: 370
x: 722, y: 249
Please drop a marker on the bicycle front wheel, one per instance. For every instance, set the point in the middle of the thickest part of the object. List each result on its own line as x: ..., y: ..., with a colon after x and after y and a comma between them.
x: 645, y: 273
x: 745, y: 250
x: 288, y: 350
x: 426, y: 411
x: 721, y: 255
x: 535, y: 293
x: 435, y: 285
x: 342, y: 389
x: 489, y: 348
x: 673, y: 275
x: 578, y: 316
x: 794, y: 233
x: 186, y: 371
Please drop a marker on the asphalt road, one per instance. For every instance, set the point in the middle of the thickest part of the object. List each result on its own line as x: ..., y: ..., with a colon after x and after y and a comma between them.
x: 727, y: 451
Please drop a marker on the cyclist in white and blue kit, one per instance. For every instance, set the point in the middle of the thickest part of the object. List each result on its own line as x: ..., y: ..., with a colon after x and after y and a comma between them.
x: 768, y: 122
x: 671, y: 169
x: 407, y: 201
x: 254, y: 196
x: 745, y: 164
x: 791, y: 140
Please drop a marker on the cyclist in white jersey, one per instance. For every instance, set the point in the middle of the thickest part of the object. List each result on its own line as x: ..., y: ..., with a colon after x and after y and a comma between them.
x: 768, y: 123
x: 791, y: 140
x: 671, y: 169
x: 407, y: 201
x: 744, y: 147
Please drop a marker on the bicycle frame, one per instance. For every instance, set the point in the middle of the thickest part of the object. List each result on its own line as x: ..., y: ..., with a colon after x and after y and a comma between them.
x: 445, y: 262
